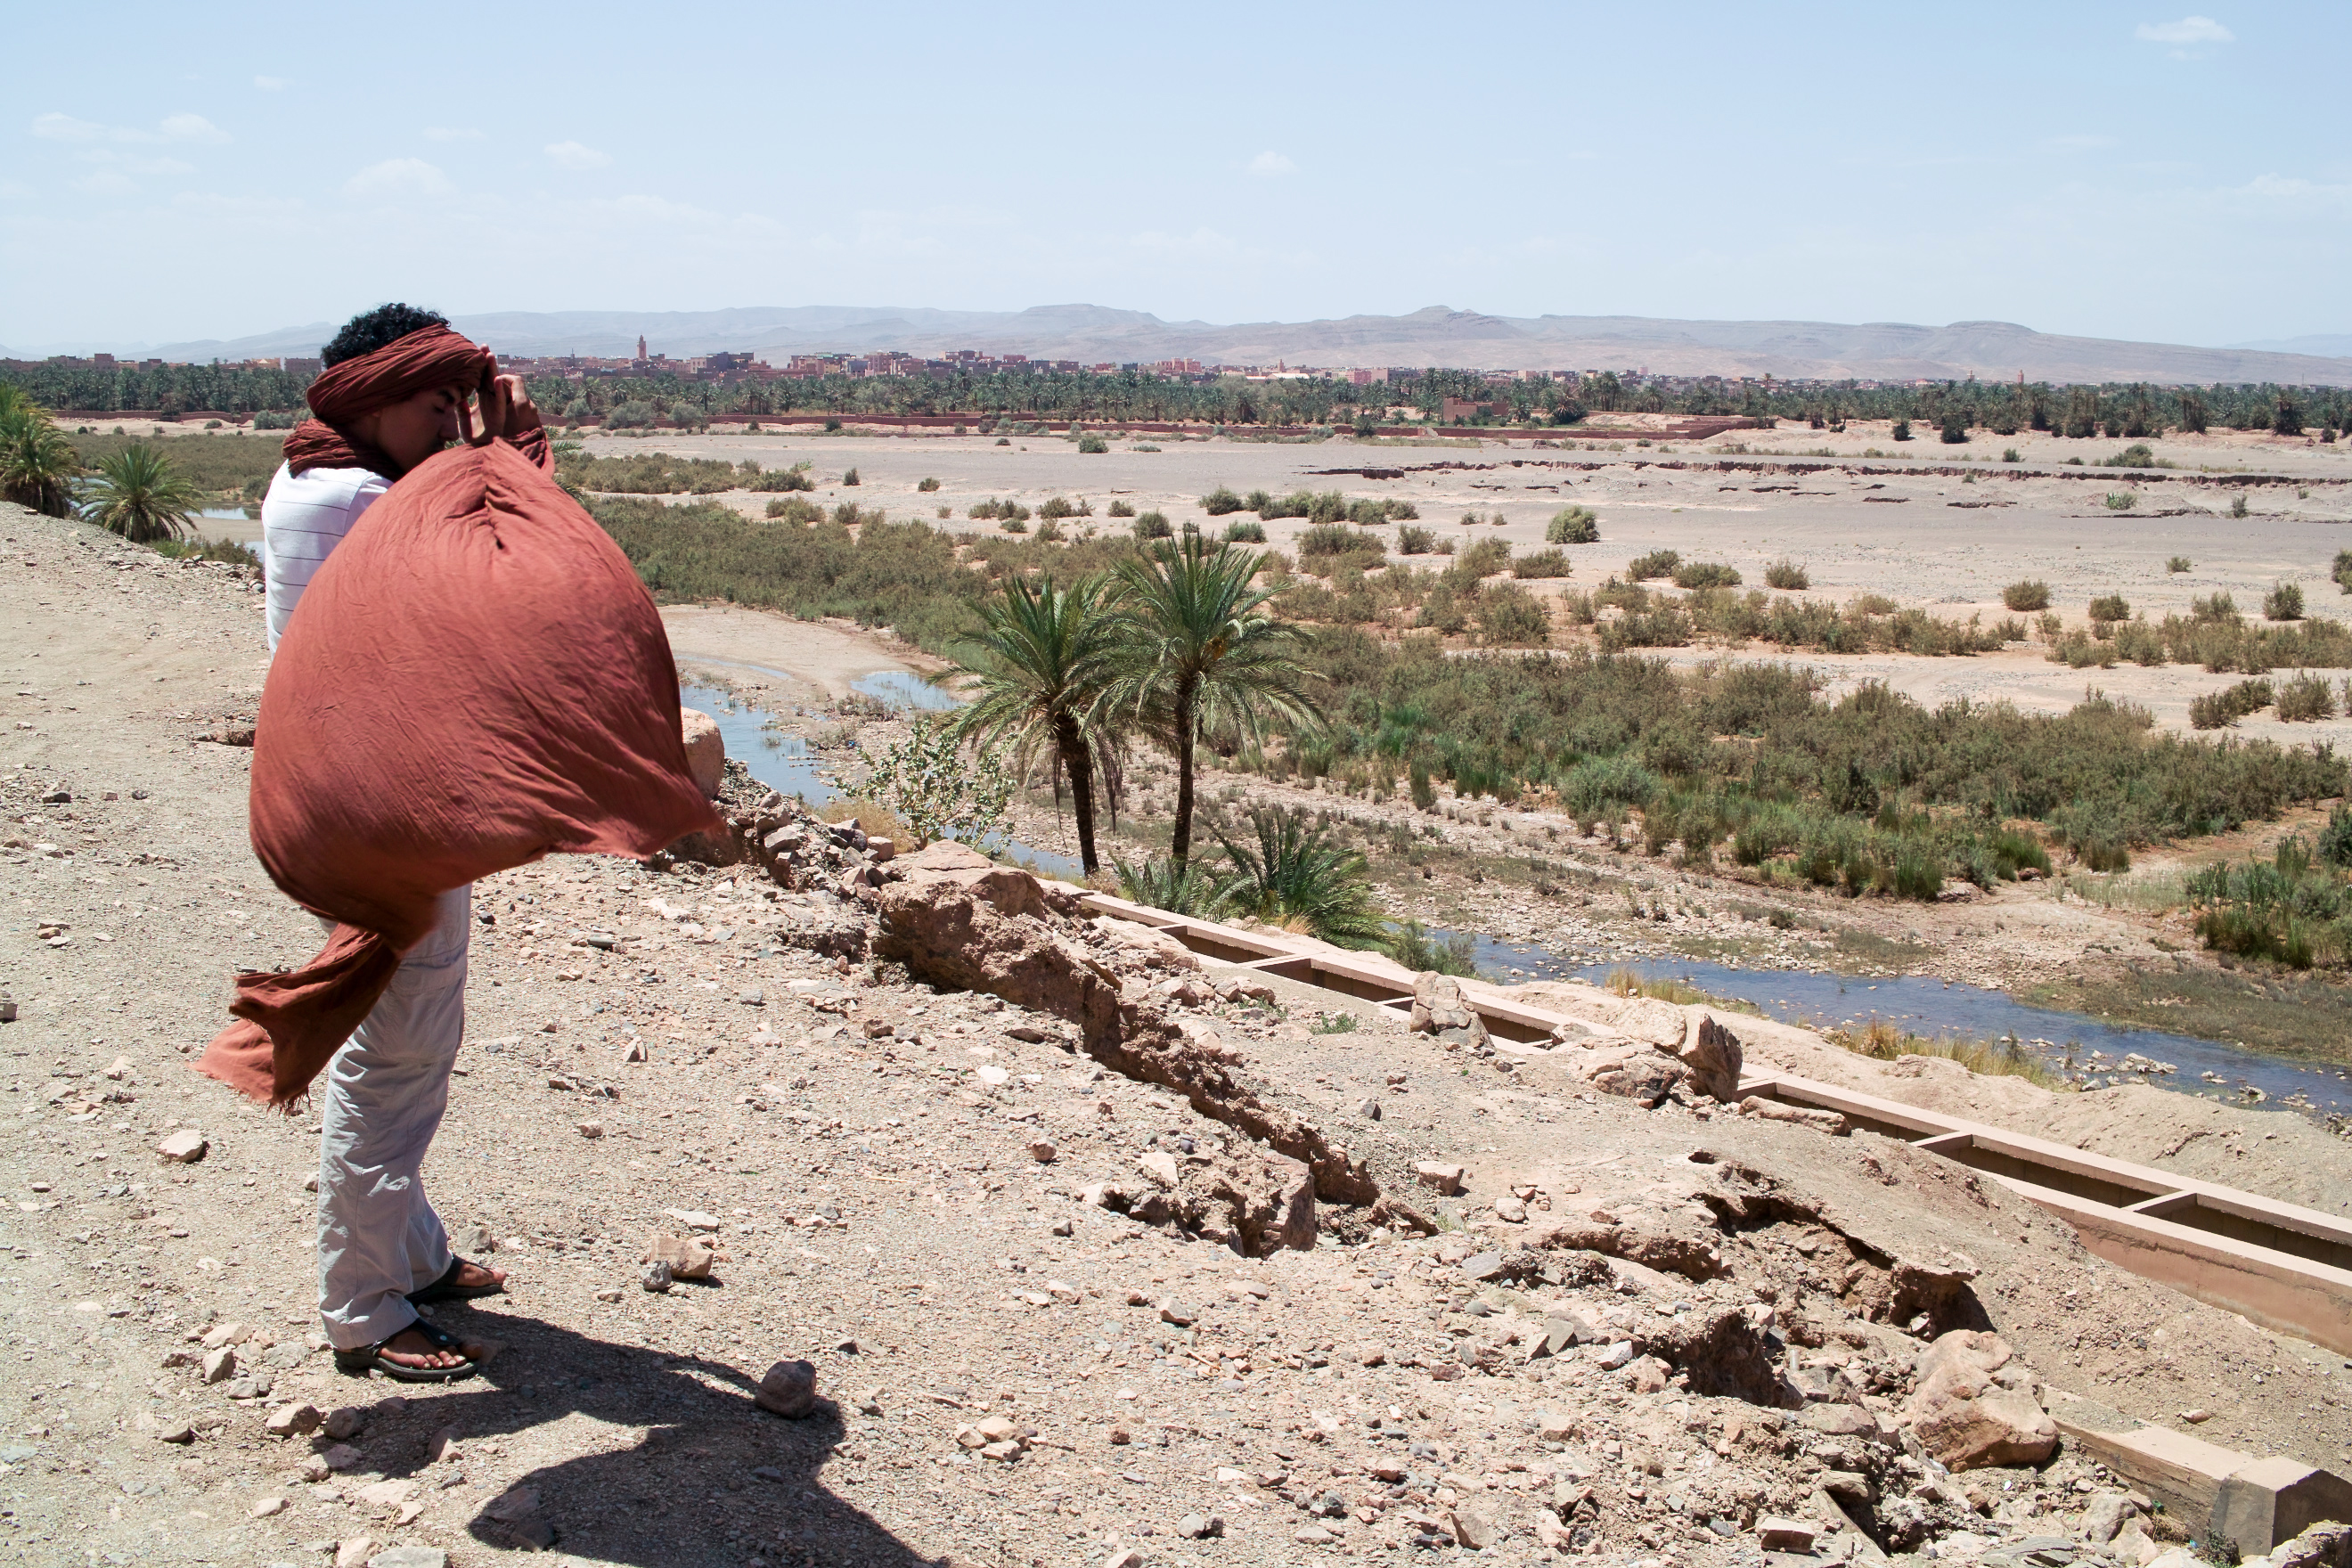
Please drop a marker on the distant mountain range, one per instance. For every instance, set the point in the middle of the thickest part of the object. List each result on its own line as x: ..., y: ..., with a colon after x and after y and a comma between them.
x: 1879, y: 350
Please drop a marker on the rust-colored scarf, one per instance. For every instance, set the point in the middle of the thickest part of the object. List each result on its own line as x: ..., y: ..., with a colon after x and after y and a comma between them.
x: 476, y: 680
x: 434, y: 356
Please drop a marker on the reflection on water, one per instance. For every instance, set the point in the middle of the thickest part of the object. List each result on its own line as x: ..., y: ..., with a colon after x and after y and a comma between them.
x: 1930, y: 1008
x: 905, y: 689
x: 786, y: 764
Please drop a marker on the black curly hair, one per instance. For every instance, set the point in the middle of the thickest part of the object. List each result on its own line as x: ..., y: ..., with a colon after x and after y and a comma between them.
x: 371, y: 330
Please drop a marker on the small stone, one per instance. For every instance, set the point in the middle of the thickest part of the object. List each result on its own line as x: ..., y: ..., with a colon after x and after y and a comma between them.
x: 354, y: 1553
x: 119, y: 1068
x: 1159, y: 1166
x: 1474, y: 1521
x: 185, y: 1147
x: 1062, y: 1226
x: 313, y: 1469
x: 344, y: 1421
x: 1511, y: 1211
x: 1775, y: 1534
x: 870, y: 1402
x: 1043, y: 1151
x: 268, y: 1506
x: 1124, y: 1557
x: 1196, y: 1527
x: 1368, y: 1110
x: 1313, y: 1535
x: 655, y: 1276
x: 1373, y: 1355
x: 2197, y: 1417
x: 1442, y: 1179
x: 387, y: 1494
x: 991, y: 1075
x: 693, y: 1219
x: 789, y: 1389
x: 1612, y: 1357
x: 1178, y: 1313
x: 171, y: 1429
x: 229, y: 1333
x: 592, y: 1130
x: 220, y: 1366
x: 294, y: 1420
x: 410, y: 1556
x: 608, y: 1294
x: 342, y: 1456
x: 689, y: 1256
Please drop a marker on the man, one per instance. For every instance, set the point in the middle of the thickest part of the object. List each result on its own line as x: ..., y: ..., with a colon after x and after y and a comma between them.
x: 382, y: 1248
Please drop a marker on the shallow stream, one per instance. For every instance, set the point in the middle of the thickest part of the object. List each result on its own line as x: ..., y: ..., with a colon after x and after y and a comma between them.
x: 1941, y: 1008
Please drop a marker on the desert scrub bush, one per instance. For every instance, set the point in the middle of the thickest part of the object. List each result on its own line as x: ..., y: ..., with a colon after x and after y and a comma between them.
x: 2219, y: 710
x: 655, y: 474
x: 2136, y: 456
x: 2214, y: 607
x: 849, y: 477
x: 1220, y: 501
x: 1338, y: 538
x: 1091, y: 445
x: 1787, y: 575
x: 1120, y: 508
x: 1573, y: 525
x: 1510, y: 617
x: 1542, y: 563
x: 1414, y: 948
x: 1656, y: 563
x: 1706, y: 574
x: 2121, y: 500
x: 2340, y: 573
x: 1901, y: 430
x: 792, y: 479
x: 927, y: 485
x: 1056, y: 507
x: 1955, y: 429
x: 2110, y: 607
x: 2176, y: 565
x: 794, y: 510
x: 2238, y: 504
x: 2284, y: 603
x: 1415, y: 540
x: 1152, y: 525
x: 2305, y: 698
x: 2026, y: 593
x: 1014, y: 525
x: 2078, y: 649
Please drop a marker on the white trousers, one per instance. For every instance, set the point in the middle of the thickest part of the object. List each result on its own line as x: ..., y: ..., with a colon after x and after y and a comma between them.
x: 385, y: 1091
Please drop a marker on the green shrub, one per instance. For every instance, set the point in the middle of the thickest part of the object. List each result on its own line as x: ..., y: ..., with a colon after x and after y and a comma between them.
x: 2341, y: 572
x: 1338, y: 538
x: 1424, y: 798
x: 1955, y: 429
x: 2110, y: 607
x: 794, y: 510
x: 1542, y: 563
x: 850, y: 477
x: 2305, y: 698
x: 1656, y: 563
x: 1414, y: 541
x: 2238, y: 504
x: 1056, y: 507
x: 2214, y: 607
x: 2029, y: 594
x: 1902, y: 430
x: 2121, y: 500
x: 1152, y: 525
x: 1788, y: 575
x: 1244, y: 533
x: 1122, y: 509
x: 792, y: 479
x: 1510, y: 617
x: 2284, y: 603
x: 1706, y: 574
x: 1573, y: 525
x: 2009, y: 455
x: 2176, y: 565
x: 927, y: 485
x: 2136, y: 456
x: 1220, y: 501
x: 2219, y: 710
x: 1092, y: 444
x: 1259, y: 502
x: 1014, y: 525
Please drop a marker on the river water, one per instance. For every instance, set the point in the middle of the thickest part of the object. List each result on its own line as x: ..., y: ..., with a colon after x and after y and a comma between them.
x: 790, y: 766
x: 1949, y: 1008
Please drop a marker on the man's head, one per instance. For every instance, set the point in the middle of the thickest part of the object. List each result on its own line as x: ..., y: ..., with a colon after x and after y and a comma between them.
x: 414, y: 428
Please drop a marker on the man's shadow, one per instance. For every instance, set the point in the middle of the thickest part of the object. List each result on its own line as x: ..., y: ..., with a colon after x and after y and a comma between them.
x: 692, y: 1492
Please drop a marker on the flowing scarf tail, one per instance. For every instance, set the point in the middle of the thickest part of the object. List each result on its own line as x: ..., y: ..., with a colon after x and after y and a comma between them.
x: 291, y: 1023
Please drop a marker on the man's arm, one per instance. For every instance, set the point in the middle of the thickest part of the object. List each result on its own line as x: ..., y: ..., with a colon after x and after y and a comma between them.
x: 509, y: 414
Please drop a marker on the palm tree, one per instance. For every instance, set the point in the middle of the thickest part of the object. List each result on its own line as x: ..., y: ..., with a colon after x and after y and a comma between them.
x: 36, y: 463
x: 139, y: 495
x: 1292, y: 876
x: 1043, y: 659
x: 1197, y: 650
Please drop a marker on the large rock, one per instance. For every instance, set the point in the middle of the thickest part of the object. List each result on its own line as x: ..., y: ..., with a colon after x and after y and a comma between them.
x: 1712, y: 1057
x: 1965, y: 1414
x: 1637, y: 1072
x: 1439, y: 1009
x: 958, y: 920
x: 706, y: 753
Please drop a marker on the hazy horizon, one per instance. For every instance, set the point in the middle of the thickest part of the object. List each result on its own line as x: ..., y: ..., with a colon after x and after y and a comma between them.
x: 2096, y: 171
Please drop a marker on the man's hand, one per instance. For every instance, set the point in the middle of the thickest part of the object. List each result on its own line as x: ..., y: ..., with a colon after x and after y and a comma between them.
x: 506, y: 408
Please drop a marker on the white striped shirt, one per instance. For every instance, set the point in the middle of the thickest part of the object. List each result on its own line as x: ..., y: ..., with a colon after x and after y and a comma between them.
x: 303, y: 518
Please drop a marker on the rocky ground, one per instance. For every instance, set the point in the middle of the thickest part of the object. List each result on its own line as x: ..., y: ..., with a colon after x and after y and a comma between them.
x: 1098, y: 1256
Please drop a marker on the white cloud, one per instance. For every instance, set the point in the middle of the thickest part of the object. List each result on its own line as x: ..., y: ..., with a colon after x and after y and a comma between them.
x: 174, y: 128
x: 192, y: 128
x: 13, y: 191
x: 1268, y: 165
x: 131, y: 163
x: 397, y: 177
x: 2188, y: 30
x: 452, y: 133
x: 269, y: 83
x: 107, y: 182
x: 572, y: 155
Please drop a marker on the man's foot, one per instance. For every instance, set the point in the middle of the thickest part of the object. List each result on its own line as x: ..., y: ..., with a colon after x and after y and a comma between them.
x: 411, y: 1349
x: 422, y: 1352
x: 462, y: 1280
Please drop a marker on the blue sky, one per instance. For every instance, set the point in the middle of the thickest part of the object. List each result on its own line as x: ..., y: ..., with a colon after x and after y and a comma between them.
x: 190, y: 172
